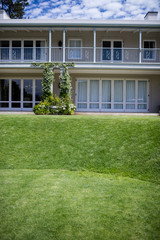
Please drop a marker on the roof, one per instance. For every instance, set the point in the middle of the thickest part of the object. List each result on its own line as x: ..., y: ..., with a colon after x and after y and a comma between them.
x: 78, y: 23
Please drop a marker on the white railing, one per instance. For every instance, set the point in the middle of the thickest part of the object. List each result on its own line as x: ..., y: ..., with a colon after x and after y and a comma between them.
x: 24, y: 54
x: 125, y: 55
x: 80, y: 54
x: 151, y: 55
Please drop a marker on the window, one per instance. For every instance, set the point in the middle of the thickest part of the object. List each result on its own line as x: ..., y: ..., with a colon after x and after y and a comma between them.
x: 112, y: 51
x: 4, y: 93
x: 112, y: 95
x: 149, y: 50
x: 4, y: 50
x: 28, y: 50
x: 16, y: 50
x: 75, y: 49
x: 40, y: 50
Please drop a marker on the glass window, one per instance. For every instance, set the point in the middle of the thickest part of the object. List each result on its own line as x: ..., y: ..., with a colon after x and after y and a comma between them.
x: 40, y: 50
x: 149, y: 52
x: 27, y: 90
x: 82, y: 93
x: 106, y: 90
x: 130, y: 91
x: 117, y: 51
x: 4, y: 90
x: 4, y: 50
x: 142, y: 91
x: 28, y: 50
x: 118, y: 90
x: 38, y: 90
x: 106, y: 54
x: 16, y: 50
x: 94, y: 93
x: 16, y: 90
x: 75, y: 49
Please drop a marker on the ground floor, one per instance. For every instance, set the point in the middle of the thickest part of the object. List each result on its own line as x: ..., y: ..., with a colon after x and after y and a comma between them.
x: 90, y: 92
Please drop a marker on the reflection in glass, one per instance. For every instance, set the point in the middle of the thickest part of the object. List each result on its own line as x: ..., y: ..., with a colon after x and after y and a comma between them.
x: 16, y: 50
x: 38, y: 90
x: 28, y: 50
x: 27, y: 105
x: 4, y: 47
x: 4, y: 90
x: 4, y: 105
x: 16, y: 90
x: 27, y: 90
x: 16, y: 105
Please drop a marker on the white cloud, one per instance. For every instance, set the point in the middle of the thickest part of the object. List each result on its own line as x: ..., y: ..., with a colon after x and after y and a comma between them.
x: 90, y: 9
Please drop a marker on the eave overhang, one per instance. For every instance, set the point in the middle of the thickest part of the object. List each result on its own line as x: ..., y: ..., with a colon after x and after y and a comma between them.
x: 79, y: 24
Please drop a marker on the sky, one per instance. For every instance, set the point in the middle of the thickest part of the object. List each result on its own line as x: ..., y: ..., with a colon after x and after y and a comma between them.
x: 91, y: 9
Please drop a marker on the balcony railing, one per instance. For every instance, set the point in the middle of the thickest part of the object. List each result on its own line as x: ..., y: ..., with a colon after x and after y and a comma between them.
x: 80, y: 54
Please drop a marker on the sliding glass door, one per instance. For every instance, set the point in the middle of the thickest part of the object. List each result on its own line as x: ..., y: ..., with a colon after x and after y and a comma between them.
x: 112, y: 95
x: 16, y: 93
x: 20, y: 94
x: 4, y: 93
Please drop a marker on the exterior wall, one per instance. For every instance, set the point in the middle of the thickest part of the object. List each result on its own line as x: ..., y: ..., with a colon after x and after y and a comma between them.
x: 154, y: 83
x: 19, y: 34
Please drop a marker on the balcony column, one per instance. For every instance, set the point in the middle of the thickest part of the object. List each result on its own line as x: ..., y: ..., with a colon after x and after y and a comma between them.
x: 140, y: 45
x: 94, y: 53
x: 64, y: 44
x: 50, y: 44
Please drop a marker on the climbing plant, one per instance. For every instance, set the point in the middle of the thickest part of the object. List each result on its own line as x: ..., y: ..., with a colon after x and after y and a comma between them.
x: 65, y: 82
x: 63, y: 104
x: 48, y: 78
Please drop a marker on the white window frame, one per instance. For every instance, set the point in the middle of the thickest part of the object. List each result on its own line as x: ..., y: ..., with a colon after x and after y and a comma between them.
x: 112, y: 96
x: 22, y: 48
x: 150, y: 49
x: 112, y: 48
x: 21, y: 101
x: 74, y: 39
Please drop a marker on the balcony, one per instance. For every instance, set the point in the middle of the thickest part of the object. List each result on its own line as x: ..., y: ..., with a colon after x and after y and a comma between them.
x: 80, y: 55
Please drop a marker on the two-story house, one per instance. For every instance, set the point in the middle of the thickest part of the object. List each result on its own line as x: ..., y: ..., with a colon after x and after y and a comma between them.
x: 117, y: 62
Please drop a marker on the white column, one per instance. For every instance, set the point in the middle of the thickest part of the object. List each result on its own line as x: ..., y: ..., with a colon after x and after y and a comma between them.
x: 94, y: 58
x: 64, y: 43
x: 140, y: 45
x: 50, y: 44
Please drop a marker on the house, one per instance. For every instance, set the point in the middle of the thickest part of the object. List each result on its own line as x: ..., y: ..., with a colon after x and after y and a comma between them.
x: 117, y: 62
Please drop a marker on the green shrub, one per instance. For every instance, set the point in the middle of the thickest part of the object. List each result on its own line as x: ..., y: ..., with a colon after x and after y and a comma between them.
x: 42, y: 108
x: 66, y: 106
x: 55, y: 105
x: 62, y: 106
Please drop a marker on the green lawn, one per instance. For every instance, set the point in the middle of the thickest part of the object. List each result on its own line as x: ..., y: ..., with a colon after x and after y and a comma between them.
x: 79, y: 177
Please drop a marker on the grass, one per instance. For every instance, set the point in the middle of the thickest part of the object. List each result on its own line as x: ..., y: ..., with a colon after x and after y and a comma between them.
x: 79, y: 177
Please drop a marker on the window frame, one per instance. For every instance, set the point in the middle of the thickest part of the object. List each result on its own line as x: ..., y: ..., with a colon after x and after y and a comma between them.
x: 149, y: 49
x: 112, y: 49
x: 112, y: 102
x: 74, y: 39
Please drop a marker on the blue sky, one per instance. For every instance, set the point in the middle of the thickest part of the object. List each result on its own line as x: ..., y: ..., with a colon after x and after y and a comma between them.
x: 91, y: 9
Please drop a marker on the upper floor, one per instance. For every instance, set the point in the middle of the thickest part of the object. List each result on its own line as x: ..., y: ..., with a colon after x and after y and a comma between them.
x: 81, y: 41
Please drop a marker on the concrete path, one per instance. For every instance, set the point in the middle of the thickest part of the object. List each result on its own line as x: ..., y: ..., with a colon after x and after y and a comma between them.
x: 86, y: 113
